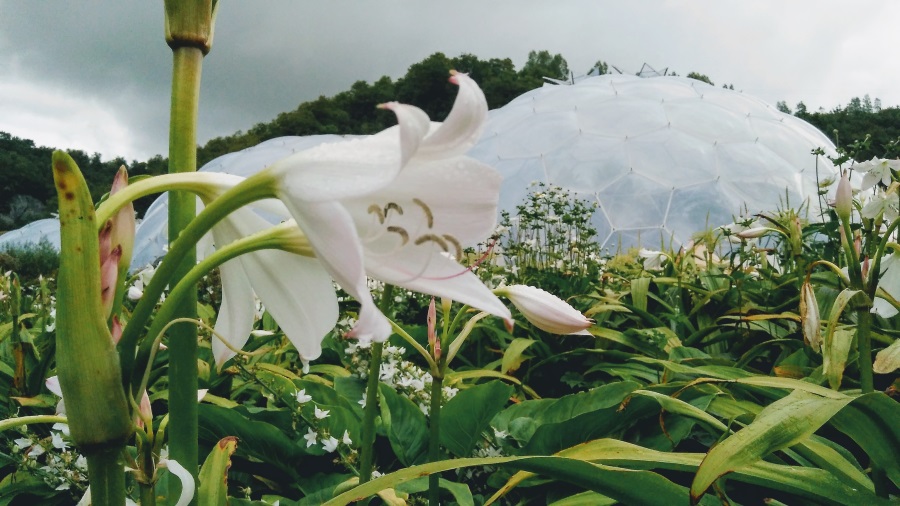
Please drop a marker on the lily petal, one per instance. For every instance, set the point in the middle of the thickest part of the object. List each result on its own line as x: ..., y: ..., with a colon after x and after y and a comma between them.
x: 441, y: 277
x: 463, y: 126
x: 236, y: 316
x: 332, y: 234
x: 354, y: 167
x: 296, y: 290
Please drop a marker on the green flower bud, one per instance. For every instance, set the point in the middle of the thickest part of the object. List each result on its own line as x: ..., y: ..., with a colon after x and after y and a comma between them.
x: 86, y: 357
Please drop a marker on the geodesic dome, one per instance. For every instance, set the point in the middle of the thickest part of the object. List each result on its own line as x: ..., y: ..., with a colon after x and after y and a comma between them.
x: 664, y: 157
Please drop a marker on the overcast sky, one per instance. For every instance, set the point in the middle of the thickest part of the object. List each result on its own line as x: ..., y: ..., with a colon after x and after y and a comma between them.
x: 95, y: 75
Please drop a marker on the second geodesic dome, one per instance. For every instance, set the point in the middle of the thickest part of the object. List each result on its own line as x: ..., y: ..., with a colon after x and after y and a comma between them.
x: 664, y: 157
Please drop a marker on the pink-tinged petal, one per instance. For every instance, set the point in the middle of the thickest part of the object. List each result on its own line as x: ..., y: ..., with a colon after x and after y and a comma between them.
x: 109, y: 277
x: 414, y: 126
x: 332, y: 234
x: 545, y: 310
x: 115, y: 329
x: 145, y: 409
x: 237, y: 313
x: 123, y: 222
x: 463, y: 126
x: 52, y: 384
x: 432, y: 273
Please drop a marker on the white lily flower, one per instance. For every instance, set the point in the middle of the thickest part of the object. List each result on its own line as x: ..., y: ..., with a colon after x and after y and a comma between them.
x: 346, y: 439
x: 321, y: 414
x: 890, y: 283
x: 876, y: 171
x: 881, y: 202
x: 545, y: 310
x: 393, y: 205
x: 653, y: 260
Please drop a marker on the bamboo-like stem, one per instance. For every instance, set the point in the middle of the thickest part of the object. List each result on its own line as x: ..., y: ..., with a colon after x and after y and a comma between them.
x: 434, y: 437
x: 186, y: 71
x: 864, y: 348
x: 106, y: 470
x: 367, y: 449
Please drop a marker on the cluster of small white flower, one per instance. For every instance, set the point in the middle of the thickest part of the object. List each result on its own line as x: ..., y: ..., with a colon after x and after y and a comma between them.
x: 407, y: 378
x: 51, y: 459
x: 488, y: 446
x: 321, y: 436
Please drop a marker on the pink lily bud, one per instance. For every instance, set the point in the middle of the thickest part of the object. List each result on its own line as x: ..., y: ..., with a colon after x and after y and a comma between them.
x: 433, y: 340
x: 144, y: 411
x: 123, y: 223
x: 109, y: 275
x: 545, y: 310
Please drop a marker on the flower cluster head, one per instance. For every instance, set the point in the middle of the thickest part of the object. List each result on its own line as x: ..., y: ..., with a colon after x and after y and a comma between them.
x: 407, y: 378
x: 52, y: 459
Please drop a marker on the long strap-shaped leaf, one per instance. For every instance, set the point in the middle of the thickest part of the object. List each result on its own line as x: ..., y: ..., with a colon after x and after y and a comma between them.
x: 624, y: 485
x: 783, y: 423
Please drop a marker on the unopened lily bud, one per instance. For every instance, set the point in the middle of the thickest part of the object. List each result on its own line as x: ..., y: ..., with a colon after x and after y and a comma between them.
x: 809, y: 316
x: 754, y: 233
x: 86, y: 357
x: 123, y: 223
x: 545, y: 310
x: 190, y: 23
x: 433, y: 340
x: 843, y: 201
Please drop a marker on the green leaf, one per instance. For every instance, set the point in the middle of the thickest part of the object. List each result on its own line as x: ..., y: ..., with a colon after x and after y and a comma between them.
x: 680, y: 407
x: 871, y: 420
x: 406, y: 426
x: 585, y: 499
x: 214, y: 473
x: 624, y: 485
x: 639, y: 289
x: 460, y: 491
x: 783, y: 423
x: 817, y: 485
x: 259, y: 440
x: 465, y: 416
x: 512, y: 357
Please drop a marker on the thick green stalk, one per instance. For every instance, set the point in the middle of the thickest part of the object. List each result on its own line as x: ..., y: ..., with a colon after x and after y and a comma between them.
x: 186, y: 70
x: 367, y: 449
x: 434, y: 437
x: 106, y: 470
x: 864, y: 348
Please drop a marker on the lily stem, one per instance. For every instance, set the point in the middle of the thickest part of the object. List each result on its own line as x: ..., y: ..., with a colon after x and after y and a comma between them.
x: 106, y: 471
x: 367, y: 450
x: 183, y: 436
x: 864, y: 349
x: 434, y: 439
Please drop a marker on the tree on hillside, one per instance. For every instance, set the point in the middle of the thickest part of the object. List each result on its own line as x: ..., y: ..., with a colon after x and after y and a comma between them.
x: 542, y: 64
x: 601, y: 68
x: 700, y: 77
